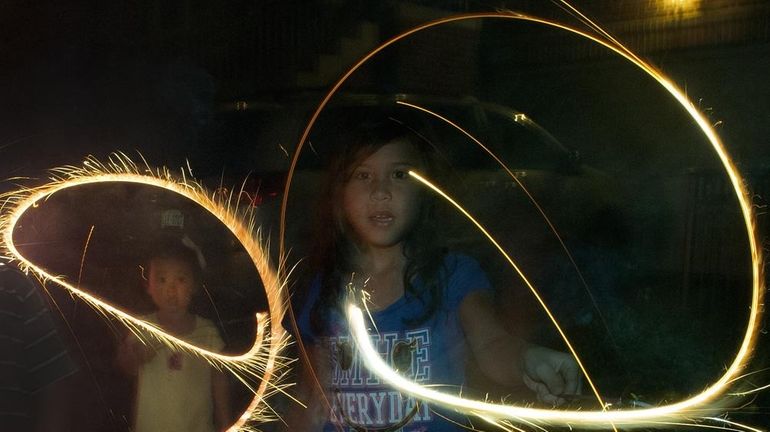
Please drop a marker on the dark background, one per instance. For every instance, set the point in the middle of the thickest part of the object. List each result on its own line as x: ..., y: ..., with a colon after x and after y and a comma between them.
x: 641, y: 200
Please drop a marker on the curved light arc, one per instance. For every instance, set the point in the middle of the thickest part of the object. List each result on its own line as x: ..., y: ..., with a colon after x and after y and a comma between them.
x: 678, y: 409
x: 262, y: 360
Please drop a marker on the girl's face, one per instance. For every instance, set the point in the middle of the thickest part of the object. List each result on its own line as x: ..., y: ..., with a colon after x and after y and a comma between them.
x: 171, y: 284
x: 380, y: 202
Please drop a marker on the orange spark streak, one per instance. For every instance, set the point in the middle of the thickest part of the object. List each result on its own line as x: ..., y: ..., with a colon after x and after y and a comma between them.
x: 532, y: 289
x: 83, y: 257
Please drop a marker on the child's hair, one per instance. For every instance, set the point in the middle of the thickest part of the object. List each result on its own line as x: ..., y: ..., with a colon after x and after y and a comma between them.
x: 333, y: 249
x: 173, y: 248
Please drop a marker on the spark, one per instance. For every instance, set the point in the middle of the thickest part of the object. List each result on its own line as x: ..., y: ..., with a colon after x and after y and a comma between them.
x: 286, y: 152
x: 85, y: 250
x: 262, y: 368
x: 709, y: 400
x: 752, y: 391
x: 732, y: 423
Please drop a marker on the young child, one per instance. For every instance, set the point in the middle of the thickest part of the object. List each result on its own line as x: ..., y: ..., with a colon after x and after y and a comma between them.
x: 176, y: 392
x: 431, y: 308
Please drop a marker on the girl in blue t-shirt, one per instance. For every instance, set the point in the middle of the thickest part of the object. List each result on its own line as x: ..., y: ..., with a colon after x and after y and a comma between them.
x: 431, y: 308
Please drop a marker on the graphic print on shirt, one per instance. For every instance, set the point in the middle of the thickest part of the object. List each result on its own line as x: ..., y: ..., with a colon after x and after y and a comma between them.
x: 359, y: 395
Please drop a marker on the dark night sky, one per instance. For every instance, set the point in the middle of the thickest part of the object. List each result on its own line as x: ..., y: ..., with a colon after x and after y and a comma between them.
x: 82, y: 77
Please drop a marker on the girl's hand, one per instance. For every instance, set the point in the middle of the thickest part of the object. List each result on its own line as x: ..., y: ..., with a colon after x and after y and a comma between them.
x: 551, y: 374
x: 548, y: 373
x: 132, y: 354
x: 142, y: 352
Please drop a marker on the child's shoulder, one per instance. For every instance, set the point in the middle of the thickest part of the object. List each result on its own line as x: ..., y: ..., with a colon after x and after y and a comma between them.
x: 456, y: 261
x: 203, y: 323
x: 463, y: 276
x: 206, y: 333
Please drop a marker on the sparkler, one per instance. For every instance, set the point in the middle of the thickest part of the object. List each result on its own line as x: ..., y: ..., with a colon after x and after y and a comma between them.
x: 678, y: 412
x: 700, y: 406
x: 263, y: 362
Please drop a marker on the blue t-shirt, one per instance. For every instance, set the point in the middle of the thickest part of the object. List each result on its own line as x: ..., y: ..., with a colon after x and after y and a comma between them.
x: 430, y: 353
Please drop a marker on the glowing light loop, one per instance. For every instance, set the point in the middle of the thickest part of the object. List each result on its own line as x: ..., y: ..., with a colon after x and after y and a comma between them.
x: 263, y: 362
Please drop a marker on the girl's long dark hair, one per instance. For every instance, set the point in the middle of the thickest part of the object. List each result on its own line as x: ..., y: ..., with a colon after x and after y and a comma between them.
x: 332, y: 251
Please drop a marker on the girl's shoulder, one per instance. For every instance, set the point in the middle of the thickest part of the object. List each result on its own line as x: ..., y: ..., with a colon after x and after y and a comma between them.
x: 203, y: 323
x: 207, y: 334
x: 453, y: 256
x: 459, y: 263
x: 462, y: 275
x: 305, y: 309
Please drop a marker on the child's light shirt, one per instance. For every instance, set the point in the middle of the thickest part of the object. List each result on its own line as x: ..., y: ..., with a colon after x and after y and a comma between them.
x: 174, y: 389
x: 430, y: 353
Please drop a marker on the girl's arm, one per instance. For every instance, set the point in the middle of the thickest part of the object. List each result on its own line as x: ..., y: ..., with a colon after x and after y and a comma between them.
x: 316, y: 413
x: 220, y: 392
x: 511, y: 361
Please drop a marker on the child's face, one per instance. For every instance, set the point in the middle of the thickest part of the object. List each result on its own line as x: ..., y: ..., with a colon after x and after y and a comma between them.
x: 171, y: 284
x: 380, y: 200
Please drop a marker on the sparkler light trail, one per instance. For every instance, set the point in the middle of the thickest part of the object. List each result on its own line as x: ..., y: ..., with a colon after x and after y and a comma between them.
x: 262, y: 368
x: 711, y: 400
x: 673, y: 414
x: 574, y: 353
